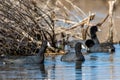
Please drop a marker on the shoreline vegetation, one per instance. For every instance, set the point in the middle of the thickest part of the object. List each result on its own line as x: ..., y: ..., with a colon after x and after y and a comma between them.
x: 25, y: 23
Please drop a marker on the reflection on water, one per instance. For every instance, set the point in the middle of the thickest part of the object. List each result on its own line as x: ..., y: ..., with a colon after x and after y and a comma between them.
x: 98, y: 66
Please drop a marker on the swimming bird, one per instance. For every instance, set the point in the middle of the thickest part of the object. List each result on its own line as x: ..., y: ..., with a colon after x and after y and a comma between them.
x: 77, y: 55
x: 35, y: 59
x: 99, y: 47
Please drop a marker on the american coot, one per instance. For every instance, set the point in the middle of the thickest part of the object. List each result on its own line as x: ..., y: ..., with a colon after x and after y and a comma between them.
x: 93, y: 30
x: 38, y: 58
x: 77, y: 55
x: 99, y: 47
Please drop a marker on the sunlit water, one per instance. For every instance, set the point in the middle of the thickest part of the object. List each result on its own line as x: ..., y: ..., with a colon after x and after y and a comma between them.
x: 97, y: 66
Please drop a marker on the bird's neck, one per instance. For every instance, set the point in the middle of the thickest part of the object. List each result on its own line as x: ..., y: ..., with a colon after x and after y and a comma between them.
x: 79, y: 56
x: 78, y: 53
x: 94, y: 38
x: 41, y: 51
x: 96, y: 41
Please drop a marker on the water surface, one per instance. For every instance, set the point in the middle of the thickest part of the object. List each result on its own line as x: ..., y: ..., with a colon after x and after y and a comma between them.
x: 97, y: 66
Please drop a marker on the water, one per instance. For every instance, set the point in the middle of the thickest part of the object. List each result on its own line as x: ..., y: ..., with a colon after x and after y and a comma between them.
x: 102, y: 66
x: 97, y: 66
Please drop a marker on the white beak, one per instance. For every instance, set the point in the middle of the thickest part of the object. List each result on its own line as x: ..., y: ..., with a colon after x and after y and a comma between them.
x: 83, y: 47
x: 99, y: 29
x: 48, y: 44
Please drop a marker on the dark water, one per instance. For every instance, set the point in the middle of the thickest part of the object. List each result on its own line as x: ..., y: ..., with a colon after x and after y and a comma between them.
x: 98, y: 66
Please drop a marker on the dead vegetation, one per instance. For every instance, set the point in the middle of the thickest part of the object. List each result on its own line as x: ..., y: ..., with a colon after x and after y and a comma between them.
x: 24, y: 24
